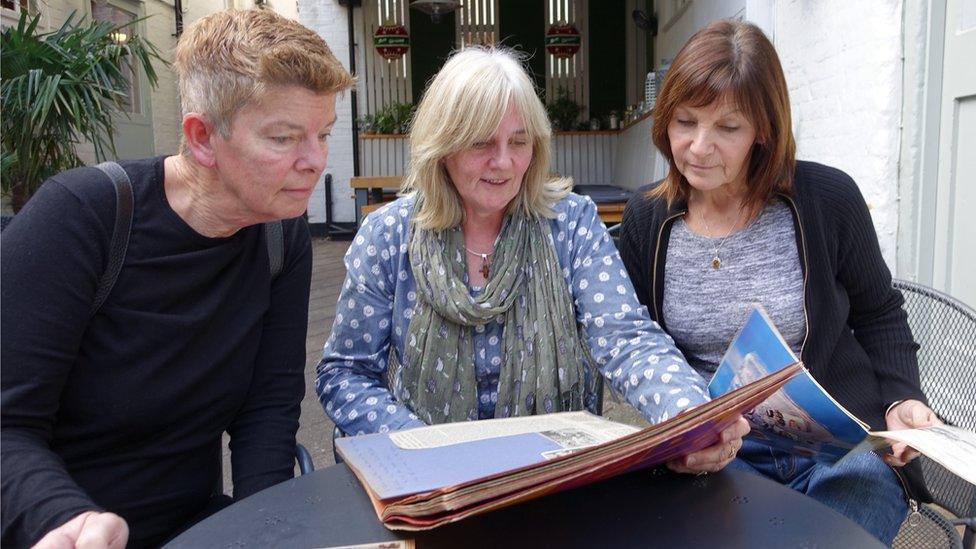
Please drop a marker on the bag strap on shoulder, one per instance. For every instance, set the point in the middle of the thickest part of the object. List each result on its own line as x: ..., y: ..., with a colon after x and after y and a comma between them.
x: 273, y: 234
x: 124, y: 204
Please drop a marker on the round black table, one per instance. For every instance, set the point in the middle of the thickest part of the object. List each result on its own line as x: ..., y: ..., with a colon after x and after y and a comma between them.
x: 652, y: 508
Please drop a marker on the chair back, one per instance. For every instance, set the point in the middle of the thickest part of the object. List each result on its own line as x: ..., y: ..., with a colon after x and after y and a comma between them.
x: 945, y: 329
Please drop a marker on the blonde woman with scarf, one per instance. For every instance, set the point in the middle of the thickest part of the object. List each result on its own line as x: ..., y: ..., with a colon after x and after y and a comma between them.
x: 487, y: 289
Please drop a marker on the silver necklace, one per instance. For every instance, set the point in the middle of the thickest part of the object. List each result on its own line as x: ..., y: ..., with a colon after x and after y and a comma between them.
x: 485, y: 261
x: 716, y: 258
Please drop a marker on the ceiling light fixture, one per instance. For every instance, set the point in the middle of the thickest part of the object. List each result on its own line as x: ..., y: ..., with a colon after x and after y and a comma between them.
x: 435, y: 8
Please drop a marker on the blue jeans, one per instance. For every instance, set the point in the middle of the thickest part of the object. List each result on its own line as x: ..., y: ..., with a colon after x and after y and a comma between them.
x: 862, y: 487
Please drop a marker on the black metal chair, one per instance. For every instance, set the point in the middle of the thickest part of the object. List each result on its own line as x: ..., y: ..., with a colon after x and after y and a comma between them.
x: 336, y: 435
x: 302, y: 457
x: 614, y: 232
x: 945, y: 330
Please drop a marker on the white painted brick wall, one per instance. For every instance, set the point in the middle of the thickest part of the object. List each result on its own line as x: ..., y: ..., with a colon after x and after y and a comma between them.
x: 329, y: 20
x: 699, y: 14
x: 844, y: 69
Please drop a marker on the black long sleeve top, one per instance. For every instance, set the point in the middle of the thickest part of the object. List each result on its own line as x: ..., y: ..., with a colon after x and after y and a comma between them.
x: 124, y: 411
x: 858, y: 345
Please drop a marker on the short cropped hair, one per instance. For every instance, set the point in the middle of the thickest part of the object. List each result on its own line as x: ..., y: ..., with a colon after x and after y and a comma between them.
x: 733, y: 60
x: 464, y: 104
x: 228, y: 59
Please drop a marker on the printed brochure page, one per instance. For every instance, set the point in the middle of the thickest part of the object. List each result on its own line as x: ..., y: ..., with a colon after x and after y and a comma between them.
x: 950, y: 447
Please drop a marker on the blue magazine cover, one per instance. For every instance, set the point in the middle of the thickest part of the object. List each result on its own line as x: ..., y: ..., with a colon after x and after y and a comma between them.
x: 801, y: 417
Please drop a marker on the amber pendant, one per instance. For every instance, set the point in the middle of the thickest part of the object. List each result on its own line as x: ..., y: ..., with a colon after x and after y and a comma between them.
x: 485, y: 265
x: 716, y: 262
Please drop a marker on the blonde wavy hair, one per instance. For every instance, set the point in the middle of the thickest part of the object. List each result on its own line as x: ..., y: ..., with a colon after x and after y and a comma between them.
x: 231, y: 58
x: 464, y: 104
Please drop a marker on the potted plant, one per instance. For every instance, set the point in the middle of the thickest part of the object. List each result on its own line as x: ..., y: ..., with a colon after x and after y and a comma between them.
x: 367, y: 124
x: 383, y: 122
x: 394, y: 119
x: 59, y: 89
x: 402, y: 116
x: 563, y: 111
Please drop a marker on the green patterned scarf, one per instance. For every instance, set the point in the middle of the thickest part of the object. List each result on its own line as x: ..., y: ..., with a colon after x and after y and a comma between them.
x: 543, y: 355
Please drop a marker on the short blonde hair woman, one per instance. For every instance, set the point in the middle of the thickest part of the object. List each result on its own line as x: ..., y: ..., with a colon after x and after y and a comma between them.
x: 488, y: 289
x: 113, y: 411
x: 231, y: 59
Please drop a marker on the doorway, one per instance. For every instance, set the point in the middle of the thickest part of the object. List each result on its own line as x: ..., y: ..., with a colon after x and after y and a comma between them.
x: 937, y: 241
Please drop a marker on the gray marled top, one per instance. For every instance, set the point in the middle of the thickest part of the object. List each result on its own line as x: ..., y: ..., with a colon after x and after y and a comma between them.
x: 704, y: 307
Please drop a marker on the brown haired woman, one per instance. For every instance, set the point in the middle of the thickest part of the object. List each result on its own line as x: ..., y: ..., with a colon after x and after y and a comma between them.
x: 738, y: 220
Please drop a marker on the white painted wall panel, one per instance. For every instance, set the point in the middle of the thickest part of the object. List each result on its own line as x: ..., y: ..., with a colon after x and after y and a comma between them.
x: 845, y: 80
x: 675, y: 31
x: 586, y: 157
x: 637, y: 162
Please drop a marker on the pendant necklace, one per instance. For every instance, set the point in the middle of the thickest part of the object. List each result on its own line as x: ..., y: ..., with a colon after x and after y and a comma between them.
x: 716, y: 258
x: 485, y: 261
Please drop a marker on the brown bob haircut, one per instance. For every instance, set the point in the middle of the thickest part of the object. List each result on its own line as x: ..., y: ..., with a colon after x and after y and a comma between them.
x: 733, y: 60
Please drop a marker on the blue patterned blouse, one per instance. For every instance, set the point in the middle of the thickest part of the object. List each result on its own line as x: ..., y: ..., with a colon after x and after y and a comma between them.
x: 379, y: 293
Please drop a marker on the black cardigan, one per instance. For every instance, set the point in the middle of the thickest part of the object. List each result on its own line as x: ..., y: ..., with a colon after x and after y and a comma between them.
x: 858, y: 344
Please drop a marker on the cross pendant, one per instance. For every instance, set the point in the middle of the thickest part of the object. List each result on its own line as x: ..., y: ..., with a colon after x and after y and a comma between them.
x: 484, y: 266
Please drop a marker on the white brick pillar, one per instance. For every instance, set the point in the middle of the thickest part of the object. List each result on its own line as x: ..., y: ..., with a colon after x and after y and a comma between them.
x: 329, y: 20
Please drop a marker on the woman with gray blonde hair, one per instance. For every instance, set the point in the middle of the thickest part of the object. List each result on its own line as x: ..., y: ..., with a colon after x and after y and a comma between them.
x: 114, y: 402
x: 488, y: 289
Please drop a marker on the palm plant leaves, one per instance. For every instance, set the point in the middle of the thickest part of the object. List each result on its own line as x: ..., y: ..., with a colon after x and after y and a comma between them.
x: 59, y: 89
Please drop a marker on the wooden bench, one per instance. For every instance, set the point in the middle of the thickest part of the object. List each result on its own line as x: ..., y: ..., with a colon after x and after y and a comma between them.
x: 370, y: 208
x: 611, y: 213
x: 610, y: 201
x: 372, y: 192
